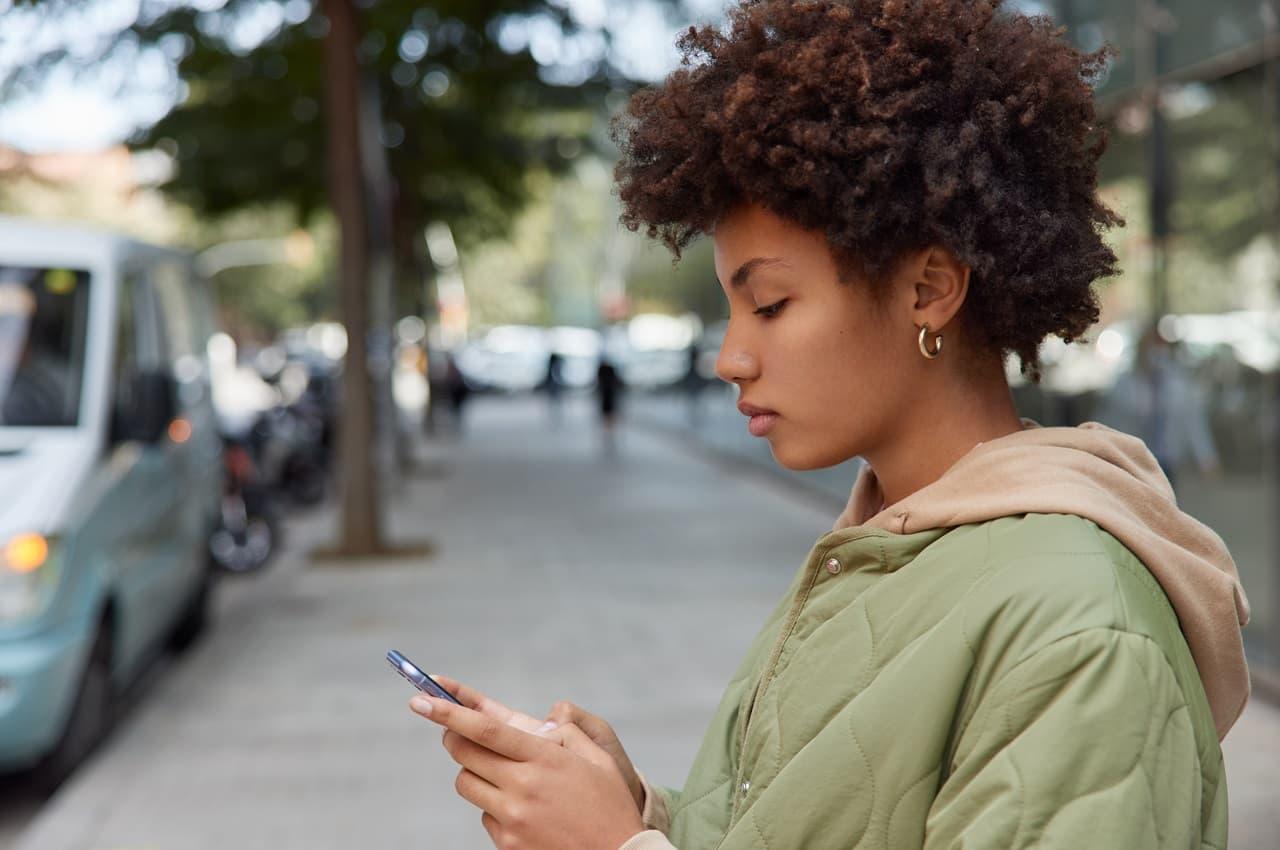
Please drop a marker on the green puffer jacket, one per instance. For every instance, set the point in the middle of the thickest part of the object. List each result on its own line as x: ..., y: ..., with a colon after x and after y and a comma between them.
x: 999, y: 655
x: 1013, y: 683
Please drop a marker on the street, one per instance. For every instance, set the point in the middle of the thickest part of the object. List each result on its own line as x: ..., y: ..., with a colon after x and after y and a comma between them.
x: 629, y: 582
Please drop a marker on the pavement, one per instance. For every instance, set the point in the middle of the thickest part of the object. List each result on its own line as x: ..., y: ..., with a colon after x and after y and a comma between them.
x: 629, y: 580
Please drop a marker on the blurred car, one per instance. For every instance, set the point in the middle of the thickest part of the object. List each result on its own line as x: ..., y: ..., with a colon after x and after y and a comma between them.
x: 507, y: 358
x: 579, y: 350
x: 110, y: 462
x: 654, y: 351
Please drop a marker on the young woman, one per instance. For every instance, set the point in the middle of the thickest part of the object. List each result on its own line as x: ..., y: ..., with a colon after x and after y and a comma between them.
x: 1012, y: 638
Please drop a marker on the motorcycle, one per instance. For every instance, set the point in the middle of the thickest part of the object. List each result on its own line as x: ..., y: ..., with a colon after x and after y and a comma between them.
x: 248, y: 530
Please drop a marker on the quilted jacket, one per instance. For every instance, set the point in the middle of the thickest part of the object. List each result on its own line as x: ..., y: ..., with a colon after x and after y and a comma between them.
x: 1021, y: 681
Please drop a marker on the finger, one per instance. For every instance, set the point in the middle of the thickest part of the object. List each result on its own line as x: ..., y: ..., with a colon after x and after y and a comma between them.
x: 484, y: 763
x: 565, y: 712
x: 474, y: 699
x: 487, y: 731
x: 491, y: 826
x: 469, y: 696
x: 477, y: 791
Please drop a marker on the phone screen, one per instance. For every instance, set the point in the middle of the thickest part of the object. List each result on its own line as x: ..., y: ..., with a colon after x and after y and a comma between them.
x: 417, y: 678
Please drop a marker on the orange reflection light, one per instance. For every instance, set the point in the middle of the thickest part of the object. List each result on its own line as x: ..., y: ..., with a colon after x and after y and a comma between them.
x: 179, y: 430
x: 26, y: 553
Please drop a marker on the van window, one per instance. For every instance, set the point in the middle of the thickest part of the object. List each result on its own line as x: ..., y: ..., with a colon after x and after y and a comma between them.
x: 180, y: 321
x: 124, y: 363
x: 139, y: 347
x: 44, y: 316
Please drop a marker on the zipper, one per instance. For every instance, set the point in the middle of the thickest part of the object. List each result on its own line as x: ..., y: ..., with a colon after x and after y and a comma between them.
x: 814, y: 570
x: 766, y: 676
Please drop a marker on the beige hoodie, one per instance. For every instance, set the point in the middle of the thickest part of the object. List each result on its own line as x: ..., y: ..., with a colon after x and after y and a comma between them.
x: 1112, y: 479
x: 1102, y: 475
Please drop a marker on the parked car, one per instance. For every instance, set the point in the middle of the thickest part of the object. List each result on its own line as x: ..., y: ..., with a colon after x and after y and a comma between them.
x: 110, y: 479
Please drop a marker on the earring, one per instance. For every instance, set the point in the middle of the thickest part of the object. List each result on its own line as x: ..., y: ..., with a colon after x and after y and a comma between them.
x: 924, y: 346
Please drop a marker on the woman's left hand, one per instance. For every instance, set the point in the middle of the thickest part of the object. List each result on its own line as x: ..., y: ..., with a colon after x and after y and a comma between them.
x: 537, y: 793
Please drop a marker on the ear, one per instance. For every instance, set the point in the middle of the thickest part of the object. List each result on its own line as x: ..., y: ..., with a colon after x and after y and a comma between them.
x: 940, y: 283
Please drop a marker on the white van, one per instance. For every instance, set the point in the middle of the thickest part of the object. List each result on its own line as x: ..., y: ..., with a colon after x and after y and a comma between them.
x: 110, y: 478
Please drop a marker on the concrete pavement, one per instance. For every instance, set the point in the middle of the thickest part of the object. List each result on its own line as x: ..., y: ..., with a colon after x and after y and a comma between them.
x: 629, y: 583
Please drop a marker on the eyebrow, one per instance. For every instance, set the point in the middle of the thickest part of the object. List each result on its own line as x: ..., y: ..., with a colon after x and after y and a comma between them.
x: 746, y: 269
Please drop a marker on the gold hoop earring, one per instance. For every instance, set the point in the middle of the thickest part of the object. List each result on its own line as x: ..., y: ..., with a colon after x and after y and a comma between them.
x: 924, y: 345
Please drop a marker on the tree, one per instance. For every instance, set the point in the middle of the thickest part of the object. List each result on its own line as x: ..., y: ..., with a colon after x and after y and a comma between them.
x: 457, y: 102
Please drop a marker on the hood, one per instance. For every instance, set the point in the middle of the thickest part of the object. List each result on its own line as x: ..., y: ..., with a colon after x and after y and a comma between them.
x: 40, y: 471
x: 1110, y: 478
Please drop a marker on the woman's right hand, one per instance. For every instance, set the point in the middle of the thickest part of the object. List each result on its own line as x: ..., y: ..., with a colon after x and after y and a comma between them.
x: 602, y: 734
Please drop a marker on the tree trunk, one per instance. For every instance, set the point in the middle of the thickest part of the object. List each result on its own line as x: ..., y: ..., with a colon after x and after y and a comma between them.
x: 358, y: 471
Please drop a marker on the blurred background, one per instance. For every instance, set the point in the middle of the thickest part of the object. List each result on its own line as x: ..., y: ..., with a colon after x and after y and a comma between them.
x: 374, y: 315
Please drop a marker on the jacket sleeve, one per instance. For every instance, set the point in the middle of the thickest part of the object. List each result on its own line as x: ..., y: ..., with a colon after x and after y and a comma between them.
x: 657, y: 803
x: 650, y: 839
x: 1087, y: 742
x: 655, y: 817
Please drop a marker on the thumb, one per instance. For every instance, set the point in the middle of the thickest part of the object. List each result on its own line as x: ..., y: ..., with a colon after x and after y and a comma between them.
x: 567, y: 712
x: 573, y: 739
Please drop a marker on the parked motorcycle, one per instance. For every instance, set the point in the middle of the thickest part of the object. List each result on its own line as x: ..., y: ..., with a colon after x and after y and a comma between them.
x: 248, y: 531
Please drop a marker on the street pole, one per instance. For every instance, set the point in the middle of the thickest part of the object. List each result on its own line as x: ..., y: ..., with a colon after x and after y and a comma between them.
x: 1153, y: 23
x: 1271, y: 91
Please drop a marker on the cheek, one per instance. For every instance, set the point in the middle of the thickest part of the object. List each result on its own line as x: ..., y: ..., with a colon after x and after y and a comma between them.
x: 855, y: 380
x: 840, y: 380
x: 840, y: 362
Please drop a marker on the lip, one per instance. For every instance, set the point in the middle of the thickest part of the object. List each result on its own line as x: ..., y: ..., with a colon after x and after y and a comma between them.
x: 751, y: 410
x: 761, y: 421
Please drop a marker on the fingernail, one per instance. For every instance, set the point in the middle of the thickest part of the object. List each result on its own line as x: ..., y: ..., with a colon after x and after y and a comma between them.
x: 546, y: 727
x: 422, y: 705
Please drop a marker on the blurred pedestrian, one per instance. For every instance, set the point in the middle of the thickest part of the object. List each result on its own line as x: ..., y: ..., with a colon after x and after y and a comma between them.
x: 1158, y: 400
x: 608, y: 391
x: 436, y: 369
x: 456, y: 390
x: 693, y: 382
x: 1012, y: 637
x: 553, y: 386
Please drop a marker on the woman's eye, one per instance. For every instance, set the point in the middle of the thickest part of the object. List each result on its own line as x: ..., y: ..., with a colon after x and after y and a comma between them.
x: 771, y: 310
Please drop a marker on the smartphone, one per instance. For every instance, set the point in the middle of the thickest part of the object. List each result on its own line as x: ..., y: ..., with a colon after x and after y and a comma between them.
x: 417, y: 678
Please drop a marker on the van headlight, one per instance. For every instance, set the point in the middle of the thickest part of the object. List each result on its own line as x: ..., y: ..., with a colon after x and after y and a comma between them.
x: 28, y: 577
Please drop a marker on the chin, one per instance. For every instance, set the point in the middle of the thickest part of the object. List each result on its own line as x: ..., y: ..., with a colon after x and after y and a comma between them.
x: 801, y: 458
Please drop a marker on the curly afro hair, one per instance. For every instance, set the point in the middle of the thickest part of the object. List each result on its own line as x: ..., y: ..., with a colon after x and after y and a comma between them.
x: 891, y: 126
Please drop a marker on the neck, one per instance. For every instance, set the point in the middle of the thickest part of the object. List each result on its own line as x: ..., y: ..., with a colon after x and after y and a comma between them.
x: 947, y: 422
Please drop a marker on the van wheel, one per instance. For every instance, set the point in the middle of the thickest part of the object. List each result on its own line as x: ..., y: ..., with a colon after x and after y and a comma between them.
x: 91, y: 717
x: 195, y: 618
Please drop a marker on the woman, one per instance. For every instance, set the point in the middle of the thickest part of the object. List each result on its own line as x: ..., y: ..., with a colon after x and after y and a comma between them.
x: 1012, y: 637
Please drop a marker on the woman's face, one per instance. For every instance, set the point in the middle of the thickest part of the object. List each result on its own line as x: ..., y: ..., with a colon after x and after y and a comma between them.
x: 831, y: 367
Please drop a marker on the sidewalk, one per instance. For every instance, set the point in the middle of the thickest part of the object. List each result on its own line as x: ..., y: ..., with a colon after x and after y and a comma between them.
x: 631, y: 585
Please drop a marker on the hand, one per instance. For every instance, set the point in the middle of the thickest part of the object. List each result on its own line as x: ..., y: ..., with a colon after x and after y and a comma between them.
x: 490, y: 707
x: 563, y: 712
x: 602, y: 734
x: 536, y: 793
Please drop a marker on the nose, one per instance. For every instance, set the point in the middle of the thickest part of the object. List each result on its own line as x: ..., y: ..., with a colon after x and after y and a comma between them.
x: 736, y: 364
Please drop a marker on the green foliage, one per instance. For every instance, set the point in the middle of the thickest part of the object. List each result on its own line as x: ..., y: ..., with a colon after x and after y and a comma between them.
x: 1225, y: 194
x: 462, y: 119
x: 464, y: 116
x: 1226, y: 178
x: 688, y: 287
